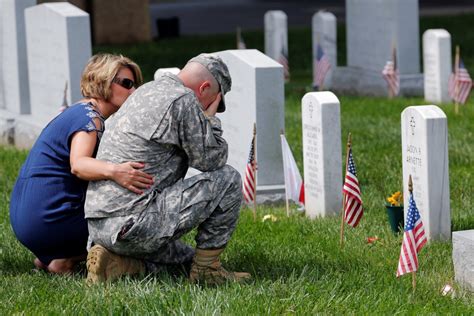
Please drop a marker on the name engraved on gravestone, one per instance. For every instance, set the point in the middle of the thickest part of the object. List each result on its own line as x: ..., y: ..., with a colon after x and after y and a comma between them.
x: 322, y: 154
x: 312, y: 185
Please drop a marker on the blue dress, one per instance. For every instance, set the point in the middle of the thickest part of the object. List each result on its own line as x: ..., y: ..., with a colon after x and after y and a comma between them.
x: 47, y: 202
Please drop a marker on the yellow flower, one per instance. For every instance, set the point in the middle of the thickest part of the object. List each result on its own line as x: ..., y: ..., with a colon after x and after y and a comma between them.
x: 396, y: 199
x: 269, y: 217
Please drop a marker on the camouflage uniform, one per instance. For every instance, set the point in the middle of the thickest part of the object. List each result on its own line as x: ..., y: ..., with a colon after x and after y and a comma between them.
x: 163, y: 125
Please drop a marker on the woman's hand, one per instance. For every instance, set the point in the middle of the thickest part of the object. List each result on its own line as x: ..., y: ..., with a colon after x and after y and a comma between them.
x: 129, y: 176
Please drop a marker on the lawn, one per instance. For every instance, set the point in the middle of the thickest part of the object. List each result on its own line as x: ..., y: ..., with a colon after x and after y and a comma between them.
x: 297, y: 264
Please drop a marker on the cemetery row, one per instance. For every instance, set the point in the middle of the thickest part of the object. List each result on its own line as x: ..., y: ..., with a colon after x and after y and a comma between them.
x: 38, y: 72
x: 382, y: 53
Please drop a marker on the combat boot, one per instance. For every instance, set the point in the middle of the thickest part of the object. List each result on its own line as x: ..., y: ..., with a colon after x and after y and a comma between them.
x: 207, y: 268
x: 103, y: 265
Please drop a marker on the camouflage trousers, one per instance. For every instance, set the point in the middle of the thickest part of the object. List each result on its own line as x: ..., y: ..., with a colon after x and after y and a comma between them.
x: 210, y: 201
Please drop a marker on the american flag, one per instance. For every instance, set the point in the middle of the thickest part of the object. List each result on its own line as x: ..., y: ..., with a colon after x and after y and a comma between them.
x: 321, y: 66
x: 283, y: 60
x: 414, y: 239
x: 250, y: 173
x: 390, y: 74
x: 460, y: 84
x: 241, y: 44
x: 353, y: 209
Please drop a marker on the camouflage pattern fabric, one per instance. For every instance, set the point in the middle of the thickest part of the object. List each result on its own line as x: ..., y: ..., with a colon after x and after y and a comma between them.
x: 162, y: 124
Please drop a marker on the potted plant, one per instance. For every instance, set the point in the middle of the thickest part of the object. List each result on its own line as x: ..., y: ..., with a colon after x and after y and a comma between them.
x: 394, y: 207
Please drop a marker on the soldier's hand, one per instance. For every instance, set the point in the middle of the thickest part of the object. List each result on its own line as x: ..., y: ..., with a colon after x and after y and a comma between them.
x: 212, y: 108
x: 129, y: 176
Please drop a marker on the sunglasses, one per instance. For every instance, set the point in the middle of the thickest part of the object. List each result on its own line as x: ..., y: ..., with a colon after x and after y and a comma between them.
x: 124, y: 82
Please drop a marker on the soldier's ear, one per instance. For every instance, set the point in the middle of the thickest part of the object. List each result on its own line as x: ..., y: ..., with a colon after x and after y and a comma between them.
x: 205, y: 85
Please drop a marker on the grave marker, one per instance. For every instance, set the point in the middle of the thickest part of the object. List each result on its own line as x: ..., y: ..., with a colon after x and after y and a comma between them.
x: 324, y: 32
x: 463, y: 252
x: 276, y: 34
x: 322, y: 154
x: 425, y: 158
x: 59, y: 46
x: 14, y: 92
x: 257, y: 96
x: 373, y: 28
x: 436, y: 64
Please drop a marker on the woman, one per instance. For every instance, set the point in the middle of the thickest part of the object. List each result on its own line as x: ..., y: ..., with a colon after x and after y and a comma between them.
x: 47, y: 203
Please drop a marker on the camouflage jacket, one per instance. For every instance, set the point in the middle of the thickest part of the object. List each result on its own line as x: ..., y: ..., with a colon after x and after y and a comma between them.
x: 161, y: 124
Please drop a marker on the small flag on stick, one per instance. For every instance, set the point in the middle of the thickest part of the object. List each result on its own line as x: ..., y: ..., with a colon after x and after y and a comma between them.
x: 352, y: 208
x: 460, y: 82
x: 391, y: 75
x: 321, y: 66
x: 250, y: 179
x: 414, y: 239
x: 240, y: 40
x: 283, y: 60
x: 294, y: 187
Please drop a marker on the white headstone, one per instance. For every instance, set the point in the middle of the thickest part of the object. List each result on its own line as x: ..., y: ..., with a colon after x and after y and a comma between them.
x: 276, y: 34
x: 257, y: 96
x: 324, y: 33
x: 159, y: 72
x: 463, y: 254
x: 436, y: 64
x: 322, y: 154
x: 425, y: 158
x: 373, y: 28
x: 59, y: 46
x: 14, y: 91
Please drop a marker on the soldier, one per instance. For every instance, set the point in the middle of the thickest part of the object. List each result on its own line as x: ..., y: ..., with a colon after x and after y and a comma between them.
x: 170, y: 124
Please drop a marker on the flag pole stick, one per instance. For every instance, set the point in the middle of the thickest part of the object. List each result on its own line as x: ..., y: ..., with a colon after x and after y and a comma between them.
x: 321, y: 87
x: 413, y: 273
x: 238, y: 37
x: 348, y: 147
x: 391, y: 93
x: 456, y: 86
x: 286, y: 190
x: 255, y: 177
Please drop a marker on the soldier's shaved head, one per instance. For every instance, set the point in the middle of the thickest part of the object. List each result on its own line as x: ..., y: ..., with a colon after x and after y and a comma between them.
x: 194, y: 75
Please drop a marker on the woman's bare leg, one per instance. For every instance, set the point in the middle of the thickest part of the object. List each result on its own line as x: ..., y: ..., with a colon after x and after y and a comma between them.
x: 66, y: 265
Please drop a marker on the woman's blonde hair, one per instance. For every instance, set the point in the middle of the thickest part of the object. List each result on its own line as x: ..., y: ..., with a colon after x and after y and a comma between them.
x: 99, y: 72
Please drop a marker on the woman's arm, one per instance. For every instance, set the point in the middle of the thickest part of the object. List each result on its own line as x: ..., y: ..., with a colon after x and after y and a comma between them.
x: 87, y: 168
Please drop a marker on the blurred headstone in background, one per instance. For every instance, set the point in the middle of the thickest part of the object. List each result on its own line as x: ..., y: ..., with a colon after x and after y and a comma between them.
x: 116, y: 21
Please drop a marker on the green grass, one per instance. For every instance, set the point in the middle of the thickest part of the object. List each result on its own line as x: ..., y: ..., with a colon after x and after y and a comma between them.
x: 297, y: 263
